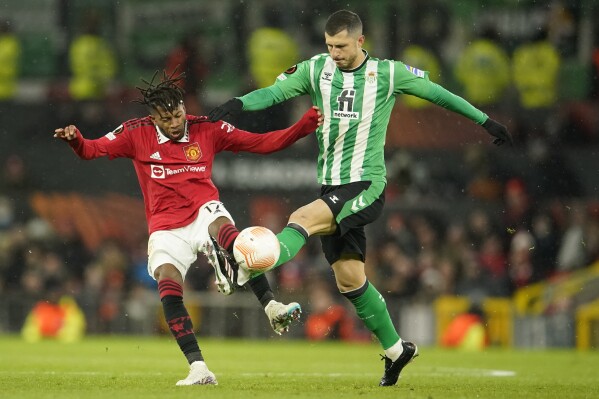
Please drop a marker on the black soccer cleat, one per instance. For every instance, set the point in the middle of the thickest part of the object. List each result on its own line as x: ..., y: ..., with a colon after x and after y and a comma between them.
x: 392, y: 369
x: 225, y: 268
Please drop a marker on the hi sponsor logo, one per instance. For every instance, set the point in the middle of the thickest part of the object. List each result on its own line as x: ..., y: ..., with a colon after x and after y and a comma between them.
x: 161, y: 172
x: 157, y: 171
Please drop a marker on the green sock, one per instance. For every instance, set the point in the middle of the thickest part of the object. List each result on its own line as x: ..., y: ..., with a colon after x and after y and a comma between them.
x: 372, y: 309
x: 291, y: 241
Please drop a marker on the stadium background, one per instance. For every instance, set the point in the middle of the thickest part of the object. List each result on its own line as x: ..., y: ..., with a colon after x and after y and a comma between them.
x: 511, y: 232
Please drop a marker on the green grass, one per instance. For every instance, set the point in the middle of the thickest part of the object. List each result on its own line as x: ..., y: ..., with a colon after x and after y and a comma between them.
x: 136, y: 367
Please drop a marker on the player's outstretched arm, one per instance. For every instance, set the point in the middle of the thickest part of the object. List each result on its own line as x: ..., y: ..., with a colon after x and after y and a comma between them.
x: 311, y: 120
x: 277, y: 140
x: 85, y: 149
x: 424, y: 88
x: 292, y: 86
x: 308, y: 123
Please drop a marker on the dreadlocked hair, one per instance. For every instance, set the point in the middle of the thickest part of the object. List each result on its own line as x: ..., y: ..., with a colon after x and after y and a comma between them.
x: 165, y: 94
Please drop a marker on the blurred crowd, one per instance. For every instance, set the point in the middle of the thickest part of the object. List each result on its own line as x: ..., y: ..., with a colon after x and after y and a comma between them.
x: 522, y: 76
x: 489, y: 231
x: 486, y: 249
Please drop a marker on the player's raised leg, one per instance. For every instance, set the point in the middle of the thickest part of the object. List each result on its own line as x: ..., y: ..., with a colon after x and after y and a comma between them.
x: 225, y: 269
x: 313, y: 218
x: 280, y: 315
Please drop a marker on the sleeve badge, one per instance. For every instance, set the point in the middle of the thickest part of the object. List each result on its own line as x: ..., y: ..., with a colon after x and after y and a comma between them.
x: 415, y: 71
x: 291, y: 70
x: 112, y: 135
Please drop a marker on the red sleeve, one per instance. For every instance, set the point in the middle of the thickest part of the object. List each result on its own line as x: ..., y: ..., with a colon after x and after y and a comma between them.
x: 115, y: 144
x: 230, y: 138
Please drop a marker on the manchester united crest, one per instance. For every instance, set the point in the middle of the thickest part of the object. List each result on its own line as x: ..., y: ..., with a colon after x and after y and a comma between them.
x: 192, y: 152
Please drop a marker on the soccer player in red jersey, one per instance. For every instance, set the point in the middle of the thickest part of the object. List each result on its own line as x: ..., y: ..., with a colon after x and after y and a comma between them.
x: 172, y: 153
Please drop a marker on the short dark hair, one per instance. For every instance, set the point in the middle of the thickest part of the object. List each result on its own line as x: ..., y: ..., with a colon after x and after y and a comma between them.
x: 166, y: 94
x: 343, y: 20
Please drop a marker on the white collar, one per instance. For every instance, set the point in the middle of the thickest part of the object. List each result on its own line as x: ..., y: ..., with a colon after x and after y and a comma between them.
x: 163, y: 139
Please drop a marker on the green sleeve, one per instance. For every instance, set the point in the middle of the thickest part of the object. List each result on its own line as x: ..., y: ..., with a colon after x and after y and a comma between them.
x: 293, y: 82
x: 418, y: 84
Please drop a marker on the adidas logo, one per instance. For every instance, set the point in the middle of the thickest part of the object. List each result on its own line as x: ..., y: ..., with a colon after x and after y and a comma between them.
x: 156, y: 156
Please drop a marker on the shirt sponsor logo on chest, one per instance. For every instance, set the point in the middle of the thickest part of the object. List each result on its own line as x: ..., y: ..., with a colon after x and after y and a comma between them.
x: 157, y: 171
x: 345, y: 105
x: 161, y: 172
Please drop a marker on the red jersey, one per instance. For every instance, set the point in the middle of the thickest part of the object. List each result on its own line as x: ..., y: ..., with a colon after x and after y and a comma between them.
x: 175, y: 176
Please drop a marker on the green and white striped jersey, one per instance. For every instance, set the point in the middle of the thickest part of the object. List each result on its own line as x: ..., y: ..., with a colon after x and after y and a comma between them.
x: 356, y: 105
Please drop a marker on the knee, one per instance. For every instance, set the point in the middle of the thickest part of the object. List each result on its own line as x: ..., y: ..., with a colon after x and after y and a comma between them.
x: 299, y: 216
x: 215, y: 226
x: 347, y: 286
x: 315, y: 218
x: 168, y: 271
x: 349, y: 273
x: 311, y: 221
x: 349, y: 282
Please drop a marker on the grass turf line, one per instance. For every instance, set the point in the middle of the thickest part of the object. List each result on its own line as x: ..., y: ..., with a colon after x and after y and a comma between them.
x: 148, y: 367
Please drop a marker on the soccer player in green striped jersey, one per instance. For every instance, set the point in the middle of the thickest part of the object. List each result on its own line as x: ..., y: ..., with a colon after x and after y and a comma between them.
x: 356, y: 93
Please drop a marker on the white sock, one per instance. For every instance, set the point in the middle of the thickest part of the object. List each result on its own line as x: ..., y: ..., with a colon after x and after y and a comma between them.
x: 198, y: 363
x: 395, y: 351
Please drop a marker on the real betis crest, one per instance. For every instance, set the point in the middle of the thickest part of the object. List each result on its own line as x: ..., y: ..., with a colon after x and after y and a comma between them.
x: 371, y: 77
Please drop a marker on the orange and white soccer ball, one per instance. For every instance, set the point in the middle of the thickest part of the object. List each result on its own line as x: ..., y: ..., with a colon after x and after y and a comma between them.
x: 256, y: 249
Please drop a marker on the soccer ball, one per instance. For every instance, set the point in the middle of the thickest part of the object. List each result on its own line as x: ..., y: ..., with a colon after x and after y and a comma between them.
x: 256, y: 249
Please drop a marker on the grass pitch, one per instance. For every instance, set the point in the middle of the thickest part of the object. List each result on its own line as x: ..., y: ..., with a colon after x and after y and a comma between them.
x: 142, y: 367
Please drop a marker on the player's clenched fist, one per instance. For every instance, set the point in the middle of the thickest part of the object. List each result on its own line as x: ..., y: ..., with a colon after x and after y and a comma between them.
x: 67, y: 133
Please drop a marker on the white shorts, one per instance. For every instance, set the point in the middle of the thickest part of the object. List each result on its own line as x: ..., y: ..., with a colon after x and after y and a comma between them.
x: 180, y: 247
